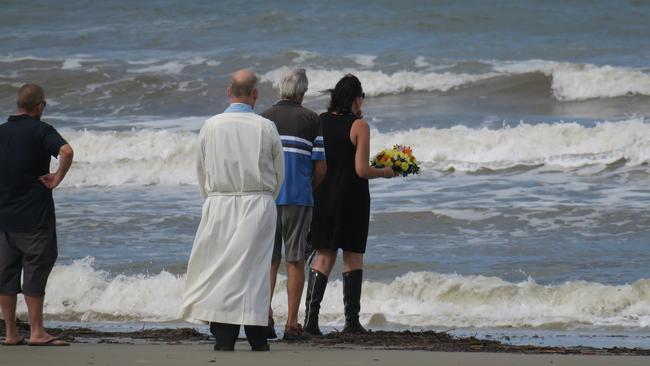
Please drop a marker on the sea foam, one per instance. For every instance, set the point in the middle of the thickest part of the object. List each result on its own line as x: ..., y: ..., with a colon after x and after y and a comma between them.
x: 575, y: 82
x: 569, y: 81
x: 380, y: 83
x: 166, y: 157
x: 81, y: 292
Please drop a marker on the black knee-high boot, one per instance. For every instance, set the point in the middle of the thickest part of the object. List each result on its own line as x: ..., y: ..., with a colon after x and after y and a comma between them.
x: 225, y: 334
x: 315, y: 290
x: 352, y: 300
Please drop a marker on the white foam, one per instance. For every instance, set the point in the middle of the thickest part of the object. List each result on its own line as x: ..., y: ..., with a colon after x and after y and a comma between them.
x: 143, y: 62
x: 132, y: 158
x: 167, y: 157
x: 79, y: 291
x: 71, y: 64
x: 420, y: 61
x: 574, y: 82
x: 175, y: 67
x: 304, y: 55
x: 564, y: 145
x: 380, y: 83
x: 569, y: 81
x: 10, y: 59
x: 366, y: 61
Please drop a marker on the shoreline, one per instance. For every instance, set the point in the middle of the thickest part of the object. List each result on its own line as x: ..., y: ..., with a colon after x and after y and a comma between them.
x: 411, y: 341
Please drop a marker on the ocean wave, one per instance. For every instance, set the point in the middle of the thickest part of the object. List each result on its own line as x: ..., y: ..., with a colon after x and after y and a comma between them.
x: 80, y: 292
x: 174, y: 67
x: 137, y: 158
x: 569, y: 81
x: 575, y: 82
x: 167, y: 157
x: 380, y: 83
x: 565, y: 145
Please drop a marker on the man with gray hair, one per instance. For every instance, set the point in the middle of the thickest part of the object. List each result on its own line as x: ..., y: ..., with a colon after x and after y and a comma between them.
x: 304, y: 165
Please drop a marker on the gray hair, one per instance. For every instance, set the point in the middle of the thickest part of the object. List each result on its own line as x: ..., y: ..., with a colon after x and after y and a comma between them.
x: 294, y: 84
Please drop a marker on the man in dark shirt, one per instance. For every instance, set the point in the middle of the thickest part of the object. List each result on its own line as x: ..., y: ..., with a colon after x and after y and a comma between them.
x: 27, y: 222
x: 304, y: 168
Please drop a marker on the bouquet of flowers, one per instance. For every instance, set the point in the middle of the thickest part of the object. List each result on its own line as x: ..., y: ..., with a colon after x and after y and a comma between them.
x: 400, y: 158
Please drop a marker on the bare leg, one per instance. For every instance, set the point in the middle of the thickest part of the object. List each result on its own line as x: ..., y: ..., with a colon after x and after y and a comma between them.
x: 324, y: 261
x: 352, y: 261
x: 8, y: 305
x: 295, y: 284
x: 37, y: 331
x: 275, y: 267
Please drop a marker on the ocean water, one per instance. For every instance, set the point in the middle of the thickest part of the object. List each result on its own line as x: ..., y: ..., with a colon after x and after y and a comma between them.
x: 531, y: 120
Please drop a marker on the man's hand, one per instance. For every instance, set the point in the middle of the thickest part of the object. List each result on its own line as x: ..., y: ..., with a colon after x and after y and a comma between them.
x: 51, y: 180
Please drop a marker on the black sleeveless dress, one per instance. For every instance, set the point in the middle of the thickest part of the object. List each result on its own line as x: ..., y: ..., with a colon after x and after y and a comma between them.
x: 342, y: 200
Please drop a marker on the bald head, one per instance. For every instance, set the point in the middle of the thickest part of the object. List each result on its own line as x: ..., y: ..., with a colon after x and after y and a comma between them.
x: 242, y: 84
x: 30, y: 98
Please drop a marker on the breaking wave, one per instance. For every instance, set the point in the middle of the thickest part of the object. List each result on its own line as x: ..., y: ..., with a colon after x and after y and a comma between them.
x: 81, y: 292
x: 166, y: 157
x: 568, y: 81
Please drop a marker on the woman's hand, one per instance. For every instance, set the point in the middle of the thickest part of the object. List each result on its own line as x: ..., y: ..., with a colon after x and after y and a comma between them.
x: 388, y: 172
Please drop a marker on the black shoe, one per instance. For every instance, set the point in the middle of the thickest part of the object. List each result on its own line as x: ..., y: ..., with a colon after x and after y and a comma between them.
x: 352, y: 300
x: 315, y: 291
x: 270, y: 331
x: 263, y: 348
x: 225, y: 335
x: 256, y: 336
x: 293, y: 334
x: 223, y: 348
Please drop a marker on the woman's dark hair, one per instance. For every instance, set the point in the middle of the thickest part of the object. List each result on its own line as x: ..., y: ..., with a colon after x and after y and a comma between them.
x: 344, y: 94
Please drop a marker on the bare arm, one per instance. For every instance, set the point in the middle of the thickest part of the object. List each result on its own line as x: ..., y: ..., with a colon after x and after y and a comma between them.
x: 52, y: 180
x: 360, y: 137
x: 320, y: 169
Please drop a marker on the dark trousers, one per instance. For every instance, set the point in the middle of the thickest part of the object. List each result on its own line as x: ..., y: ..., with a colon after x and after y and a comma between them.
x: 226, y: 336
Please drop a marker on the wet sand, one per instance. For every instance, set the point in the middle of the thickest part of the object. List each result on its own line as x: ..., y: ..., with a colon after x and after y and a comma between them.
x: 281, y: 355
x: 187, y: 346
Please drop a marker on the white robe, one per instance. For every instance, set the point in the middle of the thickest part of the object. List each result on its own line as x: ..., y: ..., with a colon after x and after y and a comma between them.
x: 240, y: 169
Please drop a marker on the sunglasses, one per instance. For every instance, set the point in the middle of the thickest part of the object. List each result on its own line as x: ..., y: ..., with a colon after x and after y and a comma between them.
x: 44, y: 103
x: 363, y: 95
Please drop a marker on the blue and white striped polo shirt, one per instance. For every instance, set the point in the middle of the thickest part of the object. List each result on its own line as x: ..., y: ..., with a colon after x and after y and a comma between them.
x: 302, y: 143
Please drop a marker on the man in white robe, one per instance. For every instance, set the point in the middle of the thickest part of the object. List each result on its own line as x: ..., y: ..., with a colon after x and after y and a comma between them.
x: 240, y: 171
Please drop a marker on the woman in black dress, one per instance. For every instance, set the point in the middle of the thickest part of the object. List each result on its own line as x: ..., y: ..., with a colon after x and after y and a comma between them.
x: 342, y: 203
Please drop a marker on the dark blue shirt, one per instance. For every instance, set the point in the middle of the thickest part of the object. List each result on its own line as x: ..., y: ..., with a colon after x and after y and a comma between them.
x: 26, y: 146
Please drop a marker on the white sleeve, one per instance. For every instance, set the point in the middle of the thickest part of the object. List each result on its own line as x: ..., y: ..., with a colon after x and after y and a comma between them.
x: 200, y: 166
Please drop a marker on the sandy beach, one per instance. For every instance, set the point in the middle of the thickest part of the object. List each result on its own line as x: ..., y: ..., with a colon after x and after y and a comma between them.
x: 186, y: 346
x: 282, y: 354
